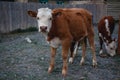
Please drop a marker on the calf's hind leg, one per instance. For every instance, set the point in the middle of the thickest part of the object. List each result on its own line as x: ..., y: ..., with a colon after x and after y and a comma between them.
x: 72, y: 47
x: 92, y: 46
x: 84, y: 43
x: 73, y: 50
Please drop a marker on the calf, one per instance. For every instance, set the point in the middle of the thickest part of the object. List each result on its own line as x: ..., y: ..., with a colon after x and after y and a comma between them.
x: 105, y: 29
x: 63, y: 26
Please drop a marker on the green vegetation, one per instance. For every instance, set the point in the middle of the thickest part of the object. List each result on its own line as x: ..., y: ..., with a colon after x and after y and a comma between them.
x: 30, y: 29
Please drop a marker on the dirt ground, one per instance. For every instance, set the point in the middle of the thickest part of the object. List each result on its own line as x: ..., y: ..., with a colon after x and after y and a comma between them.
x: 20, y: 60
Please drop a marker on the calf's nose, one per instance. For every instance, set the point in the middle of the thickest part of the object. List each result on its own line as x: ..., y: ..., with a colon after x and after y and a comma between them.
x: 43, y: 28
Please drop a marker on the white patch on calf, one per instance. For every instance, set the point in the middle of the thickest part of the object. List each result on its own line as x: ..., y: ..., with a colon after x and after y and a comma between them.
x: 101, y: 51
x: 71, y: 60
x: 44, y: 16
x: 82, y: 61
x: 74, y: 53
x: 111, y: 48
x: 76, y: 47
x: 100, y: 35
x: 106, y: 25
x: 55, y: 42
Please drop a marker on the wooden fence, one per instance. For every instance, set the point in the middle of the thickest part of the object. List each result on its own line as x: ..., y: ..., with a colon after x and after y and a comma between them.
x: 113, y: 8
x: 13, y: 15
x: 118, y: 49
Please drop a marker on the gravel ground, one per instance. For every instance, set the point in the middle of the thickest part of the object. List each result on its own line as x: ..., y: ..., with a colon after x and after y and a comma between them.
x: 20, y: 60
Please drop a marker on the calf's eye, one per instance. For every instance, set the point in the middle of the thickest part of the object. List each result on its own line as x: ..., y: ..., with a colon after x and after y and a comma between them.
x: 38, y: 18
x: 50, y: 18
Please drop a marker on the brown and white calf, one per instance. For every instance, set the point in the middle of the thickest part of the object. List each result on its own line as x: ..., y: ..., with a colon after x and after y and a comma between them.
x: 105, y: 29
x: 62, y: 26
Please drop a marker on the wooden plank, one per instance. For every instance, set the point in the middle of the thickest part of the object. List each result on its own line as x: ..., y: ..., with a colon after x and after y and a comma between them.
x: 14, y: 14
x: 118, y: 49
x: 113, y: 9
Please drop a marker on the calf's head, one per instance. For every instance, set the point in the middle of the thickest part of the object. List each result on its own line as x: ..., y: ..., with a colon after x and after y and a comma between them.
x: 111, y: 47
x: 44, y: 19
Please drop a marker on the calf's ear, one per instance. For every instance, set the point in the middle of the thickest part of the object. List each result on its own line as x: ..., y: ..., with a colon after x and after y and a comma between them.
x: 115, y: 39
x: 56, y: 14
x: 32, y: 13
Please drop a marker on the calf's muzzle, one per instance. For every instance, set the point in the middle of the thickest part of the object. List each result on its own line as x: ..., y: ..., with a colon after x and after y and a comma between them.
x: 43, y: 28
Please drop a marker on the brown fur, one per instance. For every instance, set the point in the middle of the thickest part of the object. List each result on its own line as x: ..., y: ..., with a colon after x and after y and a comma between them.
x: 72, y: 25
x: 102, y: 28
x: 105, y: 35
x: 71, y: 22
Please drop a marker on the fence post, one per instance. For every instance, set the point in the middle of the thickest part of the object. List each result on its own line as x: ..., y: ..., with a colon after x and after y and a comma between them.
x: 118, y: 49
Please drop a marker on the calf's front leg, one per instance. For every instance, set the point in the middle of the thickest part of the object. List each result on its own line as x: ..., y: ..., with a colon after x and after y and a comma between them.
x: 65, y: 50
x: 101, y: 43
x: 52, y: 60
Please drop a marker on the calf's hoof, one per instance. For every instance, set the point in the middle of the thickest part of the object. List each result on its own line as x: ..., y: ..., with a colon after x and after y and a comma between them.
x: 94, y: 64
x: 64, y: 72
x: 50, y: 69
x: 82, y: 62
x: 70, y: 60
